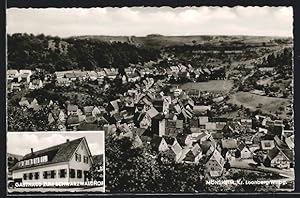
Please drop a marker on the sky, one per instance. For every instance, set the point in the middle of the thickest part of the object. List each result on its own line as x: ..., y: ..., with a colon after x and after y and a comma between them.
x: 20, y: 143
x: 141, y: 21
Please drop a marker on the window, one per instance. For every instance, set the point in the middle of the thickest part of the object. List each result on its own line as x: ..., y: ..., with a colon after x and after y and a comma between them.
x: 77, y: 157
x: 62, y: 173
x: 25, y: 176
x: 52, y: 174
x: 36, y: 175
x: 72, y: 173
x: 43, y: 159
x: 85, y: 159
x: 46, y: 174
x: 36, y: 160
x: 30, y: 176
x: 79, y: 173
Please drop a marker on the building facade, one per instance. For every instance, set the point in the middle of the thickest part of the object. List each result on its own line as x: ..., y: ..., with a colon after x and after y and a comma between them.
x: 67, y: 162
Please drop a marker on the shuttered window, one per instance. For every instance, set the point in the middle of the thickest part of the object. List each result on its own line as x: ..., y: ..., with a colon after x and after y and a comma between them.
x: 46, y: 174
x: 36, y: 175
x: 62, y: 173
x: 72, y: 173
x: 30, y: 176
x: 79, y: 173
x: 53, y: 174
x: 25, y: 176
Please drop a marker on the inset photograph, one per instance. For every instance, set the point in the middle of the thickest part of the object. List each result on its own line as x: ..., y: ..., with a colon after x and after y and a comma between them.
x: 55, y: 162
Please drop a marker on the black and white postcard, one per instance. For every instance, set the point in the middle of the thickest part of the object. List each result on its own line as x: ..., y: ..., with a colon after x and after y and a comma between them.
x: 191, y: 99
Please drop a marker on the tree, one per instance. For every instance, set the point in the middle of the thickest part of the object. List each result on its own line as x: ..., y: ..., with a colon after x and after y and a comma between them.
x: 27, y: 51
x: 129, y: 169
x: 96, y: 171
x: 24, y: 119
x: 185, y: 177
x: 227, y: 165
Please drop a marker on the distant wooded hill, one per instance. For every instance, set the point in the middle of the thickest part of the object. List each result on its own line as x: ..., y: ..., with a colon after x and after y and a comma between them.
x: 160, y: 41
x: 27, y: 51
x: 55, y: 54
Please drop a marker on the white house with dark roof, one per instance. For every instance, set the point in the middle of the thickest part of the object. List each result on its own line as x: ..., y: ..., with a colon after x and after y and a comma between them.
x: 159, y: 144
x: 30, y: 103
x: 66, y: 162
x: 280, y: 158
x: 35, y: 84
x: 25, y: 75
x: 190, y: 154
x: 173, y: 145
x: 13, y: 74
x: 56, y: 115
x: 215, y: 164
x: 244, y: 151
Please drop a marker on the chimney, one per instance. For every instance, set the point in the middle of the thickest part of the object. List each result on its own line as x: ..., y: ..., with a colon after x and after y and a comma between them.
x: 67, y: 140
x: 31, y: 150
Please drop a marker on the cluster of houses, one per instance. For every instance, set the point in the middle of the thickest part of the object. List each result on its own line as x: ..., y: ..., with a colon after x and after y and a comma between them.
x: 211, y: 148
x: 268, y: 83
x: 200, y: 74
x: 22, y: 78
x: 66, y: 78
x: 173, y: 124
x: 278, y: 146
x: 131, y: 74
x: 68, y: 117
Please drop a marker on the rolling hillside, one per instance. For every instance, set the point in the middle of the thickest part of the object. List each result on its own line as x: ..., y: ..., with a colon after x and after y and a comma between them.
x: 159, y: 41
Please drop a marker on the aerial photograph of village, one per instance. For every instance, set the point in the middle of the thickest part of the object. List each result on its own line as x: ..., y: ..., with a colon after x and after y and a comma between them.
x: 191, y: 99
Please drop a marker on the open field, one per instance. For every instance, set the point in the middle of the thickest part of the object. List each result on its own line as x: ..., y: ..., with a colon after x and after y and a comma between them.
x: 212, y: 86
x: 255, y: 102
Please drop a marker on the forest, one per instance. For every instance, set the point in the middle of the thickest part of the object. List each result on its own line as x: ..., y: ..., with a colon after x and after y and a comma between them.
x: 27, y: 51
